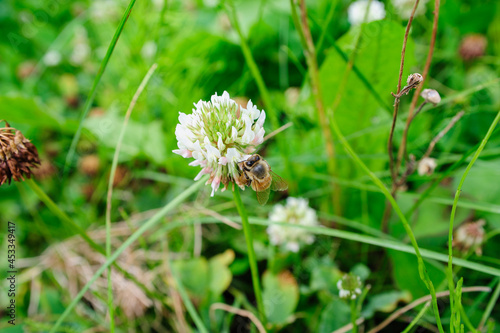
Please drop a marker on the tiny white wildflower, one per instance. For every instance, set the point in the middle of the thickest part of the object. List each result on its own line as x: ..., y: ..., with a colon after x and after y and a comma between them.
x: 296, y: 211
x: 52, y: 58
x: 357, y: 9
x: 405, y: 7
x: 426, y: 166
x: 218, y: 135
x: 349, y: 286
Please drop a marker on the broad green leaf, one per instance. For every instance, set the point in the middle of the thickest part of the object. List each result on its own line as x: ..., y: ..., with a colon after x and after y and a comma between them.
x: 378, y: 59
x: 280, y: 295
x: 386, y: 302
x: 335, y: 315
x: 23, y: 110
x: 219, y: 273
x: 193, y: 274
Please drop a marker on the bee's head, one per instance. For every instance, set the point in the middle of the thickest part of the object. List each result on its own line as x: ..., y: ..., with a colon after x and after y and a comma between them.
x: 252, y: 160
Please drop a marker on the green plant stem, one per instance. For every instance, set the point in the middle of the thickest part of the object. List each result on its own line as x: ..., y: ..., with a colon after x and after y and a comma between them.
x: 421, y: 265
x: 449, y: 271
x: 417, y: 317
x: 146, y: 226
x: 354, y: 315
x: 93, y: 89
x: 251, y: 253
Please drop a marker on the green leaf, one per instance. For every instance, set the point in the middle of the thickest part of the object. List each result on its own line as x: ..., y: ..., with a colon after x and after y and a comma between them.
x: 386, y: 302
x: 193, y: 275
x: 220, y: 275
x: 147, y: 139
x: 335, y: 315
x: 378, y: 59
x: 280, y: 295
x: 23, y: 110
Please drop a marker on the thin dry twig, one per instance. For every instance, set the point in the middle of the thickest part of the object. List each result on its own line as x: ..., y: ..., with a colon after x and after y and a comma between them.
x: 279, y: 130
x: 440, y: 135
x: 239, y: 312
x: 218, y: 216
x: 348, y: 327
x: 419, y: 301
x: 402, y: 148
x: 396, y: 102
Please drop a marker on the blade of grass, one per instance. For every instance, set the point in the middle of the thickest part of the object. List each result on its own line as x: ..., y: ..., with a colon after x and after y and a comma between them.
x: 489, y: 307
x: 93, y: 89
x: 187, y: 302
x: 421, y: 265
x: 110, y: 187
x: 449, y: 271
x: 146, y: 226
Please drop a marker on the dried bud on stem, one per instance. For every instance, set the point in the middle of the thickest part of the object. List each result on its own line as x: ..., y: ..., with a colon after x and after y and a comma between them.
x: 431, y: 96
x: 412, y: 82
x: 17, y: 155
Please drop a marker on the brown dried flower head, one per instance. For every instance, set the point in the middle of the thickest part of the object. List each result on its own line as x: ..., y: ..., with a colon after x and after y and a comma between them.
x: 472, y: 46
x: 17, y: 155
x: 413, y: 80
x: 470, y: 235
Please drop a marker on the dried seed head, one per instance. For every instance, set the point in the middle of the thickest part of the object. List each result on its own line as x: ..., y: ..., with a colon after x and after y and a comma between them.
x: 17, y: 155
x: 426, y: 166
x: 472, y: 46
x: 413, y: 80
x: 431, y: 96
x: 470, y: 235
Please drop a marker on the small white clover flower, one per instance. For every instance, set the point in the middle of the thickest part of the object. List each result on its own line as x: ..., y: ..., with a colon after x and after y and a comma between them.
x: 426, y: 166
x: 296, y: 211
x: 349, y: 286
x: 218, y: 135
x: 357, y: 9
x: 405, y: 7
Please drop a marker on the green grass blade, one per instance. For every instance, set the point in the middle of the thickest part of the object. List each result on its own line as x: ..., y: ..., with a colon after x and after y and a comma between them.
x: 449, y: 271
x: 93, y: 89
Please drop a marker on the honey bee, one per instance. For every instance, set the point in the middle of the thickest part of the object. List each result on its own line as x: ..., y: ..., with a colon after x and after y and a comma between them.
x: 257, y: 173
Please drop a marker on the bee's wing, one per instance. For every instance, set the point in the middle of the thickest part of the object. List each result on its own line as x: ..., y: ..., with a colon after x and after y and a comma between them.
x: 278, y: 184
x: 263, y: 196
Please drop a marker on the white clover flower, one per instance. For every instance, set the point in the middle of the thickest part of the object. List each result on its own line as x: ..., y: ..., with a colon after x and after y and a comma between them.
x: 426, y: 166
x: 349, y: 286
x: 405, y: 7
x: 296, y: 211
x: 357, y: 9
x: 218, y: 135
x: 81, y: 47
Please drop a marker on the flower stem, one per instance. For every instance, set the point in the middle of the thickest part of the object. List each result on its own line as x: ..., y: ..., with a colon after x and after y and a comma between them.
x: 251, y: 253
x: 354, y: 314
